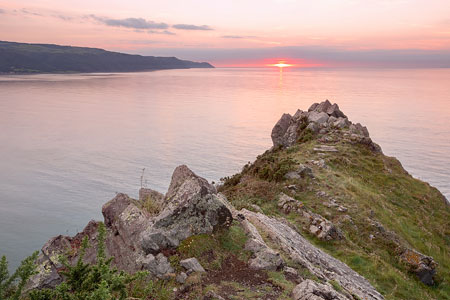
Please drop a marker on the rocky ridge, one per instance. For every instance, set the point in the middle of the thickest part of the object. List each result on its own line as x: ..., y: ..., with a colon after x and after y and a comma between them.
x: 147, y: 234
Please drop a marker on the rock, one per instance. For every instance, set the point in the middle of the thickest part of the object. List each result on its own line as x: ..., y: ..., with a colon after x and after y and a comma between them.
x: 292, y: 175
x: 192, y: 264
x: 300, y: 114
x: 311, y: 290
x: 313, y: 107
x: 320, y: 107
x: 288, y: 203
x: 318, y: 117
x: 342, y: 208
x: 325, y: 148
x: 265, y: 258
x: 334, y: 111
x: 423, y: 266
x: 319, y: 263
x: 192, y: 206
x: 341, y: 123
x: 256, y: 208
x: 322, y: 228
x: 181, y: 278
x: 291, y: 271
x: 313, y: 127
x: 280, y: 129
x: 302, y: 172
x: 211, y: 295
x: 332, y: 119
x: 159, y: 266
x: 359, y: 129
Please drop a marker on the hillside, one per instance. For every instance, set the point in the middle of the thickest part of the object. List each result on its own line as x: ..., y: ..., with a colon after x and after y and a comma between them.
x: 21, y: 58
x: 322, y: 215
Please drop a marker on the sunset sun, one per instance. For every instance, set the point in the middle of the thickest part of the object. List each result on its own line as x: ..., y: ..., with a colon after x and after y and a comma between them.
x: 281, y: 64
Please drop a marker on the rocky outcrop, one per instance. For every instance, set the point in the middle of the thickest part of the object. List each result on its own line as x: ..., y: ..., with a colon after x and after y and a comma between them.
x: 311, y: 290
x: 136, y: 237
x: 320, y: 118
x: 301, y: 251
x: 192, y: 206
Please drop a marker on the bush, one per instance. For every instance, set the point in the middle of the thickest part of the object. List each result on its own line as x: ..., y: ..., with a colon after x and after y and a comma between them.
x: 11, y: 286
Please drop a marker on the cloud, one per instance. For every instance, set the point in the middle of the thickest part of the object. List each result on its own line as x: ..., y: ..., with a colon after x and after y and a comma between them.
x: 191, y: 27
x: 166, y: 32
x: 238, y: 37
x: 2, y: 11
x: 28, y: 12
x: 136, y: 23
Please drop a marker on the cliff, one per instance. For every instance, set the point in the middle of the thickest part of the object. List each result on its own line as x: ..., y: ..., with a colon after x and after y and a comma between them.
x: 323, y: 214
x: 21, y: 58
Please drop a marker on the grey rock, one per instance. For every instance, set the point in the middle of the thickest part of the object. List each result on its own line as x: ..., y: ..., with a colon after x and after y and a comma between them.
x: 159, y: 266
x: 334, y: 111
x: 311, y: 290
x: 280, y: 129
x: 318, y: 117
x: 313, y: 106
x: 292, y: 175
x: 319, y: 263
x: 287, y: 203
x: 192, y: 206
x: 192, y: 264
x: 332, y: 119
x: 181, y: 278
x: 313, y: 127
x: 265, y: 258
x: 211, y: 295
x: 341, y: 123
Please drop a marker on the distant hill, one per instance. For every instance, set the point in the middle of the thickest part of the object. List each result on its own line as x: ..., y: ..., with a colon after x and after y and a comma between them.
x: 21, y: 58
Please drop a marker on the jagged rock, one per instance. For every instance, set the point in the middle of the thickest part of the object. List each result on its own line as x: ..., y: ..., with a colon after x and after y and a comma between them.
x: 280, y: 129
x: 211, y: 295
x: 341, y: 123
x: 192, y: 264
x: 192, y: 206
x: 301, y: 251
x: 318, y: 117
x: 159, y: 266
x: 359, y: 129
x: 311, y: 290
x: 423, y: 266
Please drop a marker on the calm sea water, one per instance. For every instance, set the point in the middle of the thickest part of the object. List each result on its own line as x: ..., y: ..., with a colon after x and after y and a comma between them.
x: 68, y: 143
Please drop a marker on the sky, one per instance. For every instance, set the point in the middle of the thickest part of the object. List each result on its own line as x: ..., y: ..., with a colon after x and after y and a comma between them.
x: 314, y: 33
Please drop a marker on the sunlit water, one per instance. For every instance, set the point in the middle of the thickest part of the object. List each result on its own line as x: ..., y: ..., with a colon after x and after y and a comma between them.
x: 68, y: 143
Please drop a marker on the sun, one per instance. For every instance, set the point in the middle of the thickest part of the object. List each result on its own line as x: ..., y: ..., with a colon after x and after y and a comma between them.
x: 281, y: 64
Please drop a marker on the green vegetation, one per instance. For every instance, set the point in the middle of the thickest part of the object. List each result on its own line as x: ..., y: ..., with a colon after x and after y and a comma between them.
x: 11, y: 286
x: 376, y: 190
x: 83, y: 281
x: 45, y: 58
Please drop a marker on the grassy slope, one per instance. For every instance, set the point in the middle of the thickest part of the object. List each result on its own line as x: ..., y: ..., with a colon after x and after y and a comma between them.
x: 370, y: 185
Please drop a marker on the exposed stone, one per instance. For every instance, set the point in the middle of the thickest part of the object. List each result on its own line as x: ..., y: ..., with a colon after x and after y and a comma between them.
x: 211, y: 295
x: 423, y: 266
x: 318, y: 117
x: 147, y: 196
x: 192, y: 264
x: 321, y: 227
x: 265, y: 258
x: 288, y: 204
x: 313, y: 127
x: 280, y: 129
x: 181, y: 278
x: 159, y: 266
x: 341, y: 123
x: 315, y: 260
x: 311, y: 290
x: 325, y: 148
x: 191, y: 207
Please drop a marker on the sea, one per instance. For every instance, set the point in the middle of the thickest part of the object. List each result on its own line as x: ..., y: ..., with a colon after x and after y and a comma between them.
x: 69, y: 143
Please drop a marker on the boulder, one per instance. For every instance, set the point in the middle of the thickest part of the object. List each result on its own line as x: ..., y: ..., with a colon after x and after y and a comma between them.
x: 288, y: 204
x: 313, y: 127
x: 423, y: 266
x: 321, y: 227
x: 280, y: 129
x: 334, y: 111
x: 341, y: 123
x: 192, y: 264
x: 318, y: 117
x: 192, y: 206
x: 312, y: 290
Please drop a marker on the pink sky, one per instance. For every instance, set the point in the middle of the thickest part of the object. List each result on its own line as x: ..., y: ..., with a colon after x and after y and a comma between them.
x: 234, y: 26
